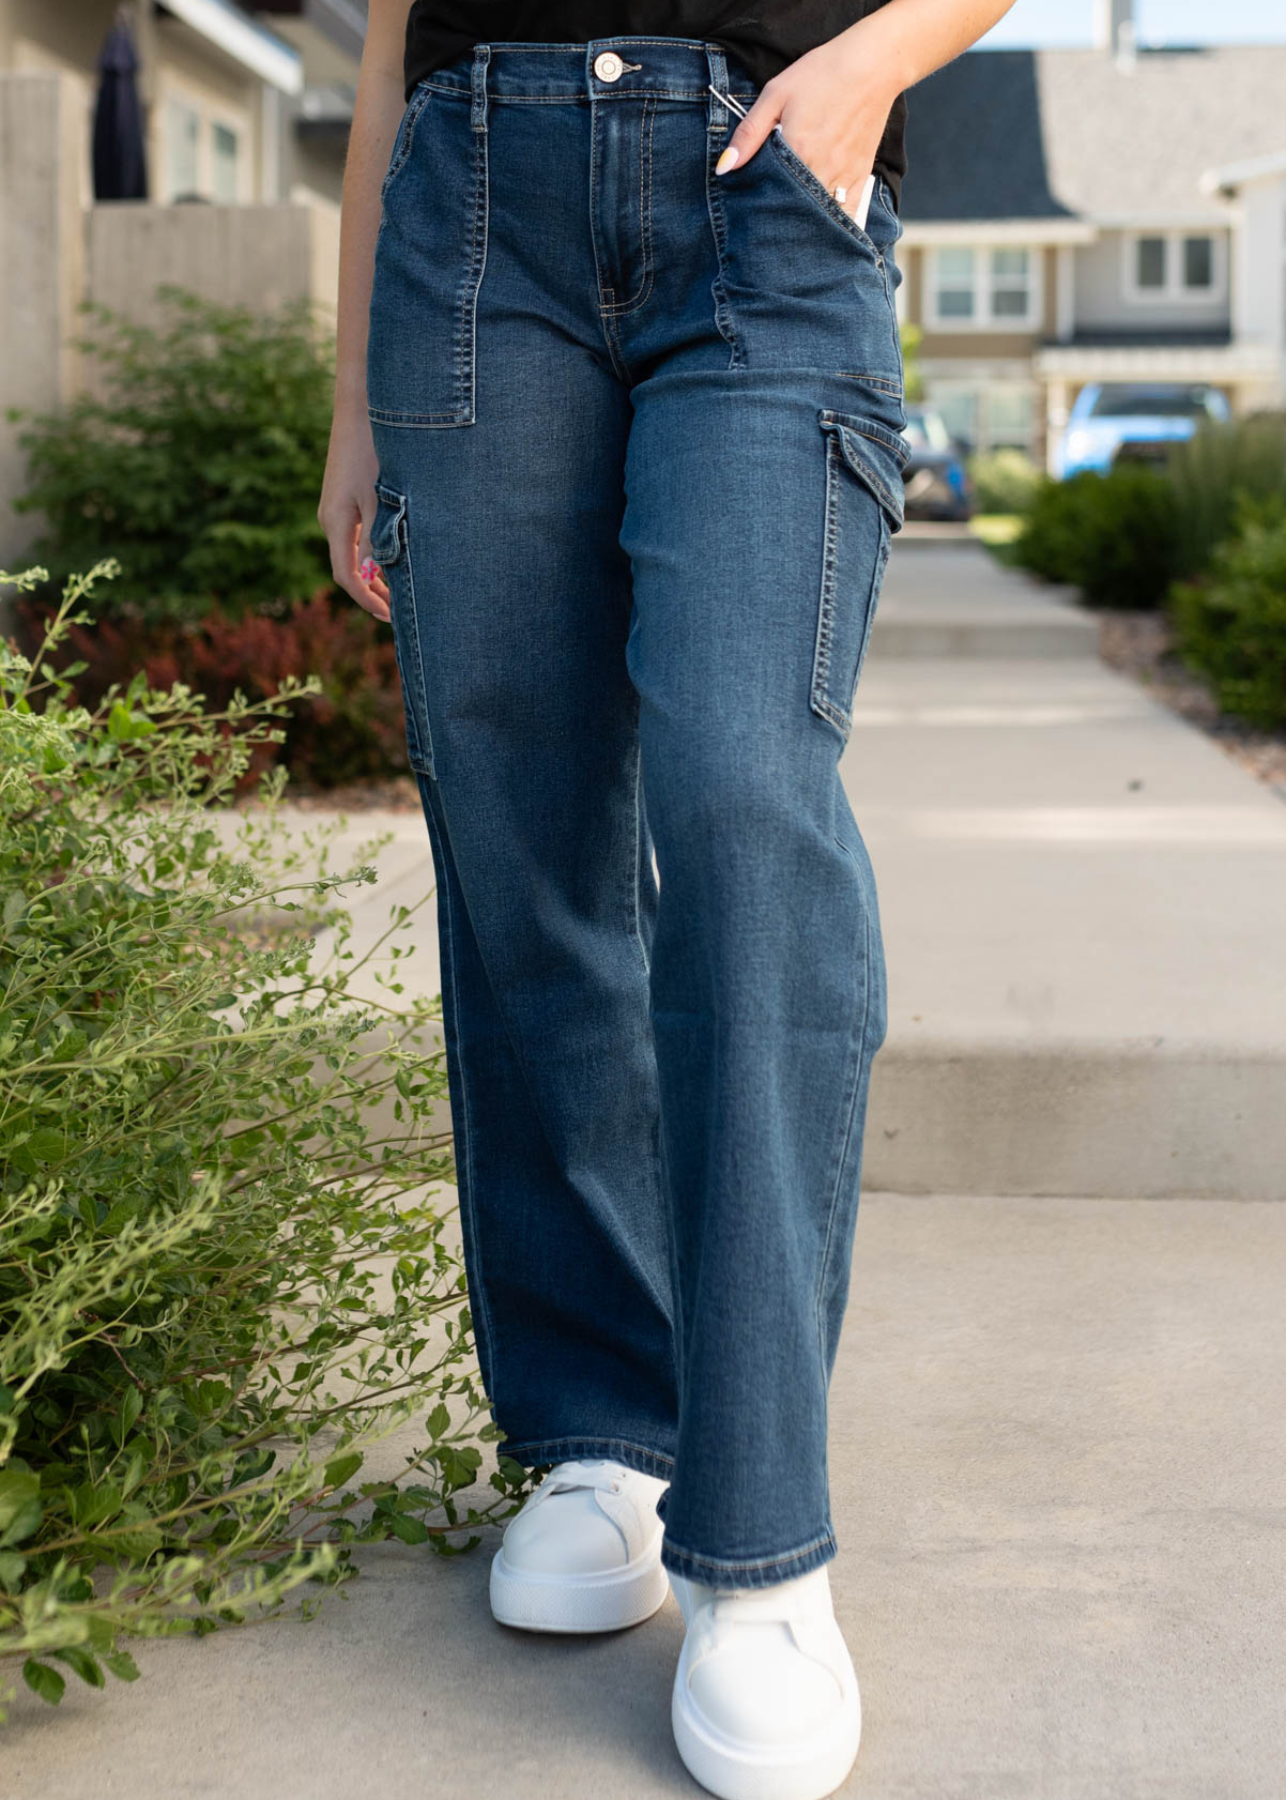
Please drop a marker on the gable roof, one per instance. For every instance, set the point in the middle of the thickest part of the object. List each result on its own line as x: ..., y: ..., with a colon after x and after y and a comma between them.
x: 1027, y: 134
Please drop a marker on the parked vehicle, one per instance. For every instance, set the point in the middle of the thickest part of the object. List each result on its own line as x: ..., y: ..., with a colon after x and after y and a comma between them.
x: 1141, y: 421
x: 938, y: 486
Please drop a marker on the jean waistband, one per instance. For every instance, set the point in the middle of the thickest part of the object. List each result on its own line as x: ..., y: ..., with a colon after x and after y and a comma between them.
x: 604, y: 69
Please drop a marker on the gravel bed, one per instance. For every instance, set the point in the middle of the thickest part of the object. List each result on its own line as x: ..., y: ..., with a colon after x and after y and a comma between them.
x: 1141, y: 644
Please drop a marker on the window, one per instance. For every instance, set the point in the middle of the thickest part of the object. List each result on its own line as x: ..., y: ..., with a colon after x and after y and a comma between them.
x: 1198, y: 262
x: 1173, y: 265
x: 1150, y: 254
x: 955, y: 284
x: 182, y: 148
x: 984, y: 415
x: 1010, y: 284
x: 203, y: 155
x: 224, y: 143
x: 1173, y: 400
x: 984, y: 287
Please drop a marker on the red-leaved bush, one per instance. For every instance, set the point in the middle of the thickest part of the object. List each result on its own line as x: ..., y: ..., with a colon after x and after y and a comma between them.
x: 353, y: 730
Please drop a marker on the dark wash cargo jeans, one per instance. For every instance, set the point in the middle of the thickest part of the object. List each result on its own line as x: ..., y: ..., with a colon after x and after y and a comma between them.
x: 640, y: 464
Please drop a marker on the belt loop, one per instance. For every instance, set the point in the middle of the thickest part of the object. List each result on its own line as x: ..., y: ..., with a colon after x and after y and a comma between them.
x: 478, y: 112
x: 717, y: 63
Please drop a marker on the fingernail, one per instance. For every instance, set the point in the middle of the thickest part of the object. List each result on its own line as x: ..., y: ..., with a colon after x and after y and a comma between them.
x: 729, y: 160
x: 367, y: 568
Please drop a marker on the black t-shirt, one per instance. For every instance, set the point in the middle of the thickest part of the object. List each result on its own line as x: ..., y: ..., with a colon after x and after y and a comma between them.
x: 764, y: 42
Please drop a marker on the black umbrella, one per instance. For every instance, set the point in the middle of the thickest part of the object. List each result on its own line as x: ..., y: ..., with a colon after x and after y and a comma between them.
x: 120, y: 163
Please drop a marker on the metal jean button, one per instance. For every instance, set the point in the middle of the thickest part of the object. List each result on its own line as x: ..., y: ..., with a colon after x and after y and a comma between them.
x: 608, y: 66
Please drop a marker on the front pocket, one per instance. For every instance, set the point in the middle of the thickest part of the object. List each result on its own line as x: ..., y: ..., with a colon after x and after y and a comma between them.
x: 865, y: 506
x: 817, y: 191
x: 430, y: 253
x: 390, y: 547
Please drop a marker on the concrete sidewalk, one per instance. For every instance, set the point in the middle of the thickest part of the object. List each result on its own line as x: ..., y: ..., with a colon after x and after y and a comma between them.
x: 1083, y: 904
x: 1084, y: 909
x: 1057, y: 1439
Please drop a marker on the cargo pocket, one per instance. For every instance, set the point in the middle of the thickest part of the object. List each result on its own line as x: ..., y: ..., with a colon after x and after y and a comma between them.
x: 389, y: 547
x: 430, y: 252
x: 865, y: 506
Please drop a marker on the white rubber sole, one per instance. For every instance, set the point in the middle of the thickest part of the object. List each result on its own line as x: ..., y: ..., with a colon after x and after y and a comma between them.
x: 608, y: 1602
x: 735, y: 1770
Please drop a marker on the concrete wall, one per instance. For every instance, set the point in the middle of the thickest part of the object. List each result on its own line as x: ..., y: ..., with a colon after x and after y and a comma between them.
x: 260, y: 256
x: 43, y: 127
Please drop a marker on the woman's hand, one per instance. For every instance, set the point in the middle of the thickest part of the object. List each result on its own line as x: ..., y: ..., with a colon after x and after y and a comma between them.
x: 347, y: 509
x: 832, y: 104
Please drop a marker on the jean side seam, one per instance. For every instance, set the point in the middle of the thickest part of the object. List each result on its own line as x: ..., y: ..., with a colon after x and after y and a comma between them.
x: 636, y: 875
x: 484, y: 1327
x: 420, y: 699
x: 845, y: 1142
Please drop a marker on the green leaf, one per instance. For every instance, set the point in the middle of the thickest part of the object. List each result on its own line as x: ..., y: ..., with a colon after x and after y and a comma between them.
x: 47, y: 1144
x: 438, y: 1420
x: 12, y: 1569
x: 43, y: 1680
x: 131, y: 1407
x: 84, y: 1663
x: 122, y: 1665
x: 20, y: 1510
x: 342, y: 1468
x: 411, y: 1531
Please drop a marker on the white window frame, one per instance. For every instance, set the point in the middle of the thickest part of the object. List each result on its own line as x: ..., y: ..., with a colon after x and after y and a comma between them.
x: 982, y: 290
x: 1174, y: 292
x: 209, y: 114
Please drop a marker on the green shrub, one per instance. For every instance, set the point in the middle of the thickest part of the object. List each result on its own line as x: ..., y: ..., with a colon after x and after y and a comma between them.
x: 198, y: 463
x: 1114, y: 536
x: 1230, y: 624
x: 353, y: 727
x: 1004, y: 481
x: 1222, y: 460
x: 221, y: 1278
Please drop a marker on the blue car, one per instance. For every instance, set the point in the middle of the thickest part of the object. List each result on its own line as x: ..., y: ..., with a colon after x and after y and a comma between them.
x: 936, y: 483
x: 1141, y: 421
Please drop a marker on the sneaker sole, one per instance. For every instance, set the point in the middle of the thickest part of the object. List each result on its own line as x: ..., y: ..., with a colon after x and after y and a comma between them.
x: 610, y: 1602
x: 735, y: 1770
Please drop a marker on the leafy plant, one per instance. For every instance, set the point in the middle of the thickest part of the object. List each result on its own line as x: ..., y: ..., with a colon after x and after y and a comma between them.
x: 1231, y: 623
x: 1004, y: 481
x: 1114, y: 536
x: 353, y: 726
x: 223, y: 1272
x: 195, y: 460
x: 1210, y: 470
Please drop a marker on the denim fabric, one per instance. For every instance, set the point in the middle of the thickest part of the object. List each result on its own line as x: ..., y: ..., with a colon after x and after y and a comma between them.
x: 640, y: 465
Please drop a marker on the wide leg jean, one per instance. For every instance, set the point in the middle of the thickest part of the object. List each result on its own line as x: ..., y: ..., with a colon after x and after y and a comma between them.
x: 638, y: 435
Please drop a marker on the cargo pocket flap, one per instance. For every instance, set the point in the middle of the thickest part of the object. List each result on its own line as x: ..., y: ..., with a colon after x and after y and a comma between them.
x: 877, y: 455
x: 386, y: 527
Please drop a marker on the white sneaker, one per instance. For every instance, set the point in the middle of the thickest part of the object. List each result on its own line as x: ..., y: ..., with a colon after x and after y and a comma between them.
x: 584, y: 1553
x: 765, y: 1703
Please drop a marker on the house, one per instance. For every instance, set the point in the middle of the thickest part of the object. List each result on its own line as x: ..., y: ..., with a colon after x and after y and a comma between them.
x: 246, y: 116
x: 1114, y: 213
x: 243, y: 105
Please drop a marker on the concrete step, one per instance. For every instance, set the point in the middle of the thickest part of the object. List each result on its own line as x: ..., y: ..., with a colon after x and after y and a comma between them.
x: 1084, y: 913
x: 950, y: 597
x: 1083, y: 904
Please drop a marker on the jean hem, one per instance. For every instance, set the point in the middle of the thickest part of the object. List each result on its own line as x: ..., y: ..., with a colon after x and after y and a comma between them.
x: 622, y: 1450
x: 750, y: 1572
